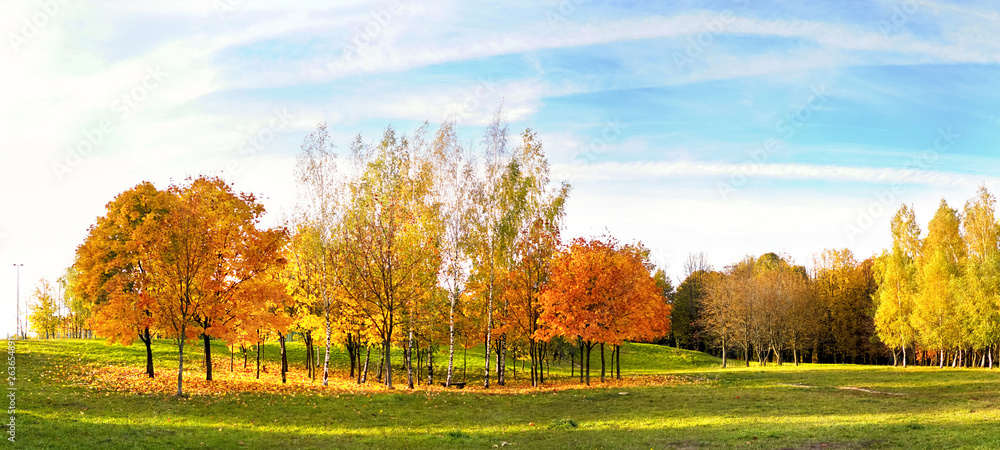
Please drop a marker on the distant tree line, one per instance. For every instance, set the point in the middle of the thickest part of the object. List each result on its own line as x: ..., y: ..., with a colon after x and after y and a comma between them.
x: 767, y: 309
x: 931, y: 299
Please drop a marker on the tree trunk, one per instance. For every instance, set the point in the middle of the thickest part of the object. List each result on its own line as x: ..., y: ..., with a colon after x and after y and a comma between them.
x: 365, y: 345
x: 208, y: 357
x: 612, y: 365
x: 904, y: 356
x: 532, y: 356
x: 489, y: 335
x: 723, y: 353
x: 420, y: 363
x: 284, y: 358
x: 602, y: 362
x: 430, y: 364
x: 408, y: 356
x: 350, y: 351
x: 451, y: 342
x: 618, y: 360
x: 258, y: 359
x: 388, y: 349
x: 581, y: 359
x: 148, y: 340
x: 502, y: 360
x: 232, y: 357
x: 180, y: 364
x: 326, y: 358
x: 541, y: 350
x: 364, y: 373
x: 589, y: 347
x: 310, y: 364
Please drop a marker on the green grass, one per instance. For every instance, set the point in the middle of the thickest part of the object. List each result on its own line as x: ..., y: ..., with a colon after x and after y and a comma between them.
x: 772, y: 407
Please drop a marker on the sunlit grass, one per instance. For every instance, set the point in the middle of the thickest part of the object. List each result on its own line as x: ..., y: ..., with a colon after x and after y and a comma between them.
x: 690, y: 403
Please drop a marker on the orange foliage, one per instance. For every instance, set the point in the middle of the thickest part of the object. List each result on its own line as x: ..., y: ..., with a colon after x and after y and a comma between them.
x: 603, y: 292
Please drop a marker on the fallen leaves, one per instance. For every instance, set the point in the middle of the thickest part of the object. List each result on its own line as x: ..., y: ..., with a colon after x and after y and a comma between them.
x: 133, y: 380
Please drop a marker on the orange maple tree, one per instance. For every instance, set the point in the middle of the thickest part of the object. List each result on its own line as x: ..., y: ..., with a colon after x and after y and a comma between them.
x: 186, y: 261
x: 206, y: 251
x: 113, y: 267
x: 602, y: 292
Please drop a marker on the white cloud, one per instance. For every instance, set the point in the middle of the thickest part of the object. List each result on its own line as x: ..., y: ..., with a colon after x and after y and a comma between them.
x: 724, y: 171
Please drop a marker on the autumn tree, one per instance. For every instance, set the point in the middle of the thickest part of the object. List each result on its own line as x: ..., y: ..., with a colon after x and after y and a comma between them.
x: 742, y: 304
x: 896, y: 274
x: 536, y: 218
x: 759, y: 304
x: 843, y: 289
x: 228, y: 272
x: 319, y: 214
x: 112, y: 267
x: 272, y: 312
x: 721, y: 292
x: 602, y: 292
x: 302, y: 277
x: 390, y: 247
x: 207, y: 249
x: 978, y: 309
x: 76, y: 305
x: 775, y: 283
x: 494, y: 233
x: 43, y: 310
x: 453, y: 188
x: 935, y: 310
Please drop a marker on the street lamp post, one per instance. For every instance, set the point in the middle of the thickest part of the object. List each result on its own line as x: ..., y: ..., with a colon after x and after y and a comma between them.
x: 20, y: 333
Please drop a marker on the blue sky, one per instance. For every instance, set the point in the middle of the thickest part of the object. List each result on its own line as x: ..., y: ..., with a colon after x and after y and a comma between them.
x: 729, y: 127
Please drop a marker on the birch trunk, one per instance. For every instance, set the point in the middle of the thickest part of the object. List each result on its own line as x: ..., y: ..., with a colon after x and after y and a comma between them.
x: 451, y: 341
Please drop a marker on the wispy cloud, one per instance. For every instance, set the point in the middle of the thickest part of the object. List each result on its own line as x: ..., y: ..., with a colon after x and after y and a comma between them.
x: 805, y: 172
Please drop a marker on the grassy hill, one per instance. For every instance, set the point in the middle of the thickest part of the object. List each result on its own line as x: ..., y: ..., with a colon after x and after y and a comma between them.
x: 690, y: 403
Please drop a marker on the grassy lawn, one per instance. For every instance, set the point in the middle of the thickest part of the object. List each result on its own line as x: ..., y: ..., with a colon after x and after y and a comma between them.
x: 697, y: 405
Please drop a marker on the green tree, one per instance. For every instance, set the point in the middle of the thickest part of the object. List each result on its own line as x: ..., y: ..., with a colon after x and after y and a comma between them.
x: 43, y: 310
x: 686, y: 314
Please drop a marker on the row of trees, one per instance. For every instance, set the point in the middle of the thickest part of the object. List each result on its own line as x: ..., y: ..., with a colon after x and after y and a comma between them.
x: 938, y: 293
x: 417, y: 234
x: 53, y: 310
x: 409, y: 242
x: 931, y: 298
x: 769, y: 309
